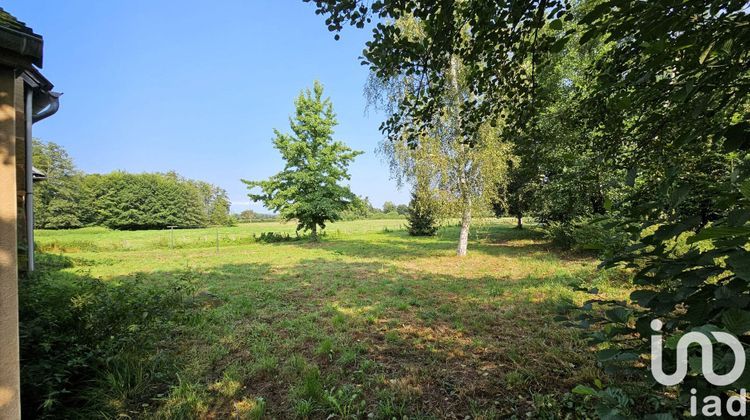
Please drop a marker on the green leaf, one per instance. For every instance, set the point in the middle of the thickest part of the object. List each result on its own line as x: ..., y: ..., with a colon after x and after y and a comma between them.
x: 736, y: 321
x: 558, y: 45
x: 596, y: 13
x: 556, y: 25
x: 715, y: 232
x: 745, y: 189
x: 671, y: 342
x: 609, y: 413
x: 588, y: 35
x: 668, y: 231
x: 583, y: 390
x: 631, y: 175
x: 736, y: 136
x: 643, y: 297
x: 621, y: 315
x: 739, y: 262
x: 607, y: 354
x: 678, y: 196
x: 738, y: 217
x: 705, y: 53
x: 706, y: 329
x: 625, y: 356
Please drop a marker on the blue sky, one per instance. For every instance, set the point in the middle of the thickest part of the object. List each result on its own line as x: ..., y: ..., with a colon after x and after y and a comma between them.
x: 197, y: 86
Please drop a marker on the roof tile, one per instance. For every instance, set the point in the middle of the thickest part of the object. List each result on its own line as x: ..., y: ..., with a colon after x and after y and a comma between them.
x: 9, y: 21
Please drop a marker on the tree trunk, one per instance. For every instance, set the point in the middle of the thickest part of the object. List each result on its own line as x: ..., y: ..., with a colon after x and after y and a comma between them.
x: 463, y: 238
x: 520, y: 222
x: 314, y: 232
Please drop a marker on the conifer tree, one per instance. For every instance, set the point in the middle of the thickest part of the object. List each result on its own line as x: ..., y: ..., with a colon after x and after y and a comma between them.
x: 422, y: 215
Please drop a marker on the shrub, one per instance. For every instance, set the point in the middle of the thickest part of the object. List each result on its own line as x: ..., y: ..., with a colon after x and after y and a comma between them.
x: 422, y: 218
x: 270, y: 237
x: 77, y: 332
x: 589, y: 234
x: 561, y: 234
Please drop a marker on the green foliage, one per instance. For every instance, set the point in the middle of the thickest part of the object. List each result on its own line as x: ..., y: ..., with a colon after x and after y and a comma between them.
x: 561, y: 234
x: 388, y: 207
x: 610, y: 403
x: 422, y: 213
x: 270, y: 237
x: 360, y: 208
x: 494, y: 40
x: 145, y: 201
x: 308, y: 189
x: 56, y: 199
x: 76, y: 331
x: 119, y: 200
x: 517, y: 197
x: 600, y: 235
x: 246, y: 216
x: 251, y: 216
x: 634, y: 109
x: 215, y: 202
x: 674, y: 76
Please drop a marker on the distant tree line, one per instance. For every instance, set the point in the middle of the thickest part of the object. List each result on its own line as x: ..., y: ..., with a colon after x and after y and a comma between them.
x: 251, y: 216
x: 69, y: 198
x: 361, y: 208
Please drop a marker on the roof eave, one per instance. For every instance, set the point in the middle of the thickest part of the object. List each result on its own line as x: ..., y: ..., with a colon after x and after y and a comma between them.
x: 25, y: 45
x: 36, y: 79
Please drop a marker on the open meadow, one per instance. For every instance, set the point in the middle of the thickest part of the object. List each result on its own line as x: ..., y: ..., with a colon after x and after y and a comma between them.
x: 368, y: 321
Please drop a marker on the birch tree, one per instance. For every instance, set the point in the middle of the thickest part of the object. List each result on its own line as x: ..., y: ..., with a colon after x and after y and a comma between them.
x: 465, y: 171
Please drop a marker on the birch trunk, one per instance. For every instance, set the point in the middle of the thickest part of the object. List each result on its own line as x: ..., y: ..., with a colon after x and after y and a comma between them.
x: 464, y: 190
x: 463, y: 238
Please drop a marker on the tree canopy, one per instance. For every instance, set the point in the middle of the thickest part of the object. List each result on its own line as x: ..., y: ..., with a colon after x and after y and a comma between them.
x: 69, y: 198
x: 308, y: 189
x: 631, y: 116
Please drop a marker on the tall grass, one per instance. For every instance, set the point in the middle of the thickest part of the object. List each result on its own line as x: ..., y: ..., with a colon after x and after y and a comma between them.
x: 94, y: 345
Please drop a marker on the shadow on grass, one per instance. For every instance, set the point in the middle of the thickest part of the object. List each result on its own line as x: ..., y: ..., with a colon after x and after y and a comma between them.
x: 494, y: 240
x: 434, y: 345
x: 334, y: 336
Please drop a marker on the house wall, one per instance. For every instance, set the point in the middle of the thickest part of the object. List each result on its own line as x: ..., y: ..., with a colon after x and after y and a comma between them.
x: 10, y: 407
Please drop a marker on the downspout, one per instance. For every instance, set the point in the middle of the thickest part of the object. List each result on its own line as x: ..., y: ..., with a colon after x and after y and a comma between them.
x: 29, y: 164
x: 51, y: 107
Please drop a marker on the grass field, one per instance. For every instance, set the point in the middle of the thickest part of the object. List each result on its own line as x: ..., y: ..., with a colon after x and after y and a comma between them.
x: 367, y: 321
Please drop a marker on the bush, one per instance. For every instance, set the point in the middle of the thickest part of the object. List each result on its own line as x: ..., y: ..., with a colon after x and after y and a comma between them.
x: 392, y: 215
x: 77, y: 332
x: 561, y: 234
x: 589, y: 234
x: 422, y: 216
x: 270, y: 237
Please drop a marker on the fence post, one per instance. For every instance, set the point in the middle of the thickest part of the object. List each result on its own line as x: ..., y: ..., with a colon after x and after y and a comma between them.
x: 171, y: 236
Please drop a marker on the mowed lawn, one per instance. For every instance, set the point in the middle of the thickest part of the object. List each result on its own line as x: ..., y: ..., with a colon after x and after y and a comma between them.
x: 369, y: 321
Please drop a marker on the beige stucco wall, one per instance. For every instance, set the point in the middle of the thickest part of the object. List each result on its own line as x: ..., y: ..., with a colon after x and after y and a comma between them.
x: 9, y: 367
